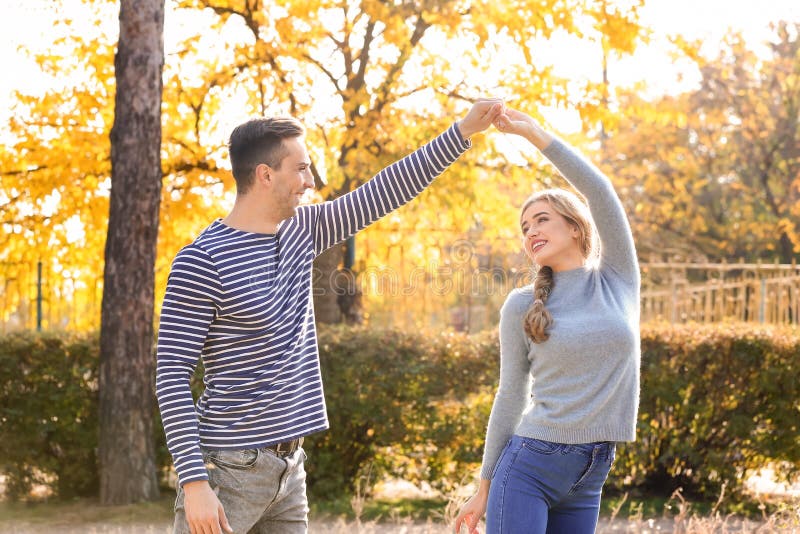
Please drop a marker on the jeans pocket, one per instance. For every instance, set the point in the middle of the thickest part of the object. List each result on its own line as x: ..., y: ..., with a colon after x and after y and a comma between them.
x: 541, y: 446
x: 244, y: 459
x: 178, y: 499
x: 500, y: 459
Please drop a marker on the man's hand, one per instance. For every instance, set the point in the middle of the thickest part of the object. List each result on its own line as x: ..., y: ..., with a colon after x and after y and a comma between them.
x: 204, y: 512
x: 482, y: 114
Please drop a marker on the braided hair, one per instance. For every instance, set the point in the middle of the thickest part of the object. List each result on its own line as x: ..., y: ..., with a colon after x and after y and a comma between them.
x: 538, y: 320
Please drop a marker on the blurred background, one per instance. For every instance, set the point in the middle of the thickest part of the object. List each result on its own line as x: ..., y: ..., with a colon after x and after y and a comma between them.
x: 690, y: 107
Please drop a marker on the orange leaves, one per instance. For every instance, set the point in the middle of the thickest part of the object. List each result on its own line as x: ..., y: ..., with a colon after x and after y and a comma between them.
x: 711, y: 172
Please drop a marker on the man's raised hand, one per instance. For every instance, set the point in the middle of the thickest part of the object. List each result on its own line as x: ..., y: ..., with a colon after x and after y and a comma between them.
x: 483, y: 113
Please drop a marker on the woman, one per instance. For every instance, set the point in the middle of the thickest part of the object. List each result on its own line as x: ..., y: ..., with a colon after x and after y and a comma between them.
x: 569, y: 362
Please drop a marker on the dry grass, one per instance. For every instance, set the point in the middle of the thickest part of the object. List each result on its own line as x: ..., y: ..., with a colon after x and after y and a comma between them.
x: 787, y: 521
x: 678, y: 517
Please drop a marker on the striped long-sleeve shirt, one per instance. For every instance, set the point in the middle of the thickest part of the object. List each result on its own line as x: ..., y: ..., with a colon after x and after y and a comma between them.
x: 242, y: 302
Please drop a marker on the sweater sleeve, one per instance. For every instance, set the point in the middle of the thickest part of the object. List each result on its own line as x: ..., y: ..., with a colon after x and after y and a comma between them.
x: 617, y: 249
x: 193, y: 289
x: 514, y: 391
x: 391, y: 188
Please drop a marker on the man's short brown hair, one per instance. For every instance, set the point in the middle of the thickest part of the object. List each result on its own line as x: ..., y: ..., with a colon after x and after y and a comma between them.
x: 259, y: 141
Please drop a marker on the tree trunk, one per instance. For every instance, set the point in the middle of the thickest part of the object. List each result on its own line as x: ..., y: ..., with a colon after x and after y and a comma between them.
x: 325, y: 280
x: 786, y: 248
x: 127, y: 365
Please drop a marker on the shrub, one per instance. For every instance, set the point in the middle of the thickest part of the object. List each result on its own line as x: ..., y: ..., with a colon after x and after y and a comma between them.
x: 717, y: 402
x: 48, y: 413
x: 396, y: 401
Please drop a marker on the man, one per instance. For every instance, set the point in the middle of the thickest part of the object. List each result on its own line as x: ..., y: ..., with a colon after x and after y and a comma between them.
x: 239, y: 296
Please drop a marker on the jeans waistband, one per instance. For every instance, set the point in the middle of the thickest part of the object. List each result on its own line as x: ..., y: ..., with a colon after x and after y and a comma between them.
x: 286, y: 448
x: 604, y: 449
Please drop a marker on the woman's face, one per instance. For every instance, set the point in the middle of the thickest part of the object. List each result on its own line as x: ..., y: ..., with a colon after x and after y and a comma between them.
x: 549, y: 239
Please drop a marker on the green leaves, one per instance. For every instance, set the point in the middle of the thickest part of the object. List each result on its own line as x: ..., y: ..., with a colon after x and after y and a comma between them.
x: 48, y: 413
x: 717, y: 404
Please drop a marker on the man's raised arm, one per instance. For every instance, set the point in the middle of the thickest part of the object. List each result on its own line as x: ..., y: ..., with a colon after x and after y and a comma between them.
x: 401, y: 181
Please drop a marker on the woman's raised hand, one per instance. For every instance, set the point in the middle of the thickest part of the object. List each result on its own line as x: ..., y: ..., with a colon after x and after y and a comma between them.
x: 515, y: 122
x: 519, y: 123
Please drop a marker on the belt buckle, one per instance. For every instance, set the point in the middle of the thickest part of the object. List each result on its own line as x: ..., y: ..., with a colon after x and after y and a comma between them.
x: 291, y: 446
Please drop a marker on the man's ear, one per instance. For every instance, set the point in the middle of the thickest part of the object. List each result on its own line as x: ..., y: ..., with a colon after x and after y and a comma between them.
x: 263, y: 173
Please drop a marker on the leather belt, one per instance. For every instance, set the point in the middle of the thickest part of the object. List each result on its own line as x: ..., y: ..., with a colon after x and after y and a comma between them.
x: 286, y: 448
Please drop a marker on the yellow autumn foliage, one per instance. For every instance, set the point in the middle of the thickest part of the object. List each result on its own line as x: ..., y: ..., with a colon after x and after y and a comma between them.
x: 373, y: 80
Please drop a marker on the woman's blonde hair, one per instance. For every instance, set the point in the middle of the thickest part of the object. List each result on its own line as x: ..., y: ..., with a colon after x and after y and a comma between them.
x: 576, y: 212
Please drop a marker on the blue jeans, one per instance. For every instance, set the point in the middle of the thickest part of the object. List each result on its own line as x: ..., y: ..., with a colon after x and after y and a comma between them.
x: 540, y: 487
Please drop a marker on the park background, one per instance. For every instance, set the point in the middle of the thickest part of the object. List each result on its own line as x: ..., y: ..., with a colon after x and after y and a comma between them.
x: 691, y: 108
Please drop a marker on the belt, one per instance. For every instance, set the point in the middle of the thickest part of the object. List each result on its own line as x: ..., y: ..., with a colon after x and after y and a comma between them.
x: 286, y: 448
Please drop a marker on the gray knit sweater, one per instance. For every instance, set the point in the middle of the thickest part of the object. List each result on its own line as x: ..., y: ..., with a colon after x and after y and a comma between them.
x: 582, y: 384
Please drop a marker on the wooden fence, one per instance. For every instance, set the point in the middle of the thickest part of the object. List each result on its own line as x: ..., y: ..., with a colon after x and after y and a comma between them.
x: 715, y: 292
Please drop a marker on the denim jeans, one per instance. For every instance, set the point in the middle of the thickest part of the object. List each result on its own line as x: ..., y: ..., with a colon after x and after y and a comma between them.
x: 260, y: 492
x: 540, y: 487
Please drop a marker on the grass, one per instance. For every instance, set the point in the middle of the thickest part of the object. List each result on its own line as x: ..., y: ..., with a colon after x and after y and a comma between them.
x: 377, y: 509
x: 80, y: 511
x: 90, y: 510
x: 423, y: 509
x: 632, y: 514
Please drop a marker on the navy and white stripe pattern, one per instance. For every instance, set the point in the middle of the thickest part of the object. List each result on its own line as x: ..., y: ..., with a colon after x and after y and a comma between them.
x: 242, y: 301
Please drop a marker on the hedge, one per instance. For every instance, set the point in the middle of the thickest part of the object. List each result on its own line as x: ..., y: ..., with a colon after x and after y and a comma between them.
x: 401, y: 402
x: 48, y: 413
x: 717, y: 403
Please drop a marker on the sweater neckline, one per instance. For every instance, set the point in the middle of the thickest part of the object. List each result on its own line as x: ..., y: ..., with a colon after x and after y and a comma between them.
x: 230, y: 229
x: 571, y: 274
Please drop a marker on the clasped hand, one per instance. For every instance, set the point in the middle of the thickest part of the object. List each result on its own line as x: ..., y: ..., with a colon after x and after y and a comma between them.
x: 488, y: 111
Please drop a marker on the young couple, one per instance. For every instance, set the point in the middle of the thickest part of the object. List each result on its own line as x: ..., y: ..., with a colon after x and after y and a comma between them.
x: 239, y: 297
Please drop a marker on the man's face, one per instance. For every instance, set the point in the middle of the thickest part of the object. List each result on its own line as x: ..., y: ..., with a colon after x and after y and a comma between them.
x: 291, y: 180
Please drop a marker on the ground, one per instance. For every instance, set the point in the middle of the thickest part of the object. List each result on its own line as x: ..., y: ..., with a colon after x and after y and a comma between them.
x: 88, y: 517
